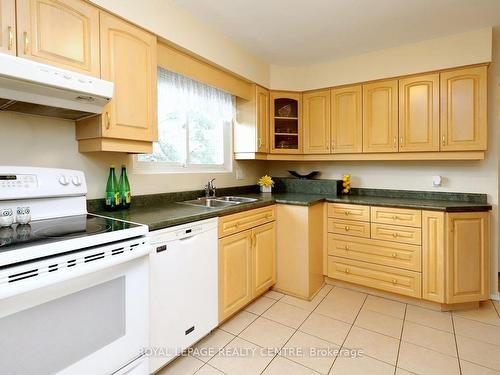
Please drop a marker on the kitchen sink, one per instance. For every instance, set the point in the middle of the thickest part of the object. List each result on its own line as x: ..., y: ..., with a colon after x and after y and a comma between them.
x: 231, y: 198
x: 219, y: 202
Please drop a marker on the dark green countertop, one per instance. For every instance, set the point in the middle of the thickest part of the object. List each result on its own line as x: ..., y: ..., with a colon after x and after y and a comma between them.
x: 163, y: 215
x: 421, y: 204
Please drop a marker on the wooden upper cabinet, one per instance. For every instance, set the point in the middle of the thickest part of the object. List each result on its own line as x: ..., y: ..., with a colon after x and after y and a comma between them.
x: 346, y: 122
x: 128, y: 58
x: 419, y: 113
x: 8, y: 26
x: 316, y: 112
x: 468, y: 256
x: 380, y: 116
x: 286, y: 122
x: 262, y: 119
x: 63, y: 33
x: 464, y: 123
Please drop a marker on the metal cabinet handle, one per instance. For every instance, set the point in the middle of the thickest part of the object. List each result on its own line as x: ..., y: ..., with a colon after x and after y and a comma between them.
x: 394, y: 235
x: 11, y: 38
x: 347, y: 228
x: 347, y: 213
x: 26, y: 42
x: 443, y: 140
x: 395, y: 142
x: 395, y: 217
x: 394, y: 255
x: 108, y: 120
x: 346, y: 247
x: 394, y: 281
x: 260, y: 143
x: 346, y: 270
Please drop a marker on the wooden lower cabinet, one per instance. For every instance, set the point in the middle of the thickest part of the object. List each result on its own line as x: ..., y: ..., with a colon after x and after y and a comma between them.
x: 385, y: 278
x: 247, y: 264
x: 300, y: 249
x: 264, y: 258
x: 235, y: 273
x: 433, y: 256
x: 467, y: 256
x: 442, y: 257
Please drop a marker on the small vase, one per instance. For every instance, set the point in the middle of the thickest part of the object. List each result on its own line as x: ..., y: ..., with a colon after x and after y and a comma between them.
x: 266, y: 189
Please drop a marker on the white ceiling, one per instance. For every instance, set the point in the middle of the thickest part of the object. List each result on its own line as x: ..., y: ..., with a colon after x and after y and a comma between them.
x: 301, y: 32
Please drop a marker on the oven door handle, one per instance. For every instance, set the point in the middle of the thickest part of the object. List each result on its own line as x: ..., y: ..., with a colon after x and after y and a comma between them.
x: 40, y: 280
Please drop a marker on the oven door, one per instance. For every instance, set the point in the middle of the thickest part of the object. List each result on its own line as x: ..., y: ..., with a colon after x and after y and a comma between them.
x: 95, y: 323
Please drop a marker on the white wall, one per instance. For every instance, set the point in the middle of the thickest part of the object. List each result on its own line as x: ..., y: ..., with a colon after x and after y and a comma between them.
x: 455, y: 50
x: 171, y: 22
x: 459, y: 176
x: 47, y: 142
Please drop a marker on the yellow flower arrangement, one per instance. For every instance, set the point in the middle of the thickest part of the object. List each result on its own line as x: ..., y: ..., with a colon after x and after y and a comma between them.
x: 266, y: 181
x: 346, y: 183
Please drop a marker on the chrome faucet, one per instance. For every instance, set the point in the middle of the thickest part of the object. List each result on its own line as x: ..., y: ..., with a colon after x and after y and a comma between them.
x: 210, y: 189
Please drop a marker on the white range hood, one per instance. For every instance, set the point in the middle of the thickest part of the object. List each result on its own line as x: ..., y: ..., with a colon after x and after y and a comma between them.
x: 31, y: 87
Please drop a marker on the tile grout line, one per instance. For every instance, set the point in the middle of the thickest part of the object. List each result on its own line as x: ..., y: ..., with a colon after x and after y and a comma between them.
x: 296, y: 330
x: 348, y: 332
x: 400, y: 340
x: 456, y: 342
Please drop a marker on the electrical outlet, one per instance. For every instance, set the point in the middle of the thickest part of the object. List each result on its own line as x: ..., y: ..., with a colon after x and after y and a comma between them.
x: 437, y: 181
x: 240, y: 174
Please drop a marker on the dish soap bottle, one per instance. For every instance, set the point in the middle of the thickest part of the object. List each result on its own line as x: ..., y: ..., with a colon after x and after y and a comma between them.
x: 124, y: 188
x: 112, y: 193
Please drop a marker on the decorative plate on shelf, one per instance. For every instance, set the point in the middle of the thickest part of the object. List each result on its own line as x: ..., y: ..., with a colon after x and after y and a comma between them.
x: 308, y: 176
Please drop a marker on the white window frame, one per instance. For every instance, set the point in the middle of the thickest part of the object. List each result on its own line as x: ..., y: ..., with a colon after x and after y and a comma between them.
x: 143, y: 167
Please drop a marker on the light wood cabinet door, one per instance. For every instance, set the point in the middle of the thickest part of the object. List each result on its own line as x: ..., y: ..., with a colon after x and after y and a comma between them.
x: 419, y: 113
x: 463, y: 109
x: 128, y: 58
x: 264, y: 258
x: 468, y: 257
x: 316, y: 122
x: 380, y: 116
x: 262, y: 119
x: 285, y: 122
x: 63, y: 33
x: 346, y: 120
x: 235, y: 273
x: 433, y: 256
x: 8, y: 26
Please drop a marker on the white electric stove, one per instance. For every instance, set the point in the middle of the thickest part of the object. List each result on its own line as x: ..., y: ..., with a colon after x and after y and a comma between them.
x: 74, y: 287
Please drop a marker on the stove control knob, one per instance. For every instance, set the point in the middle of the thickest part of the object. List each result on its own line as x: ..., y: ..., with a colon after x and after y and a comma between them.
x: 76, y: 180
x: 63, y: 180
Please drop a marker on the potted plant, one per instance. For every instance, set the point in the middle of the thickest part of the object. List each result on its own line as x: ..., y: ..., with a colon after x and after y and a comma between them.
x: 266, y: 184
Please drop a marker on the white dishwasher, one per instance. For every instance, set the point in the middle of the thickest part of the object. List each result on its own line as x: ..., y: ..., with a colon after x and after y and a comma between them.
x: 184, y: 288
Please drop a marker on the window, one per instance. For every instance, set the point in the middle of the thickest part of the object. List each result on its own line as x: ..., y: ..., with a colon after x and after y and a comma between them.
x: 194, y: 127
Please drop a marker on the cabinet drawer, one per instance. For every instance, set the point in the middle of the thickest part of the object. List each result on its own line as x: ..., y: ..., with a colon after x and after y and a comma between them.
x: 379, y: 277
x: 349, y: 227
x: 245, y: 220
x: 380, y: 252
x: 397, y: 233
x: 397, y: 216
x: 349, y: 211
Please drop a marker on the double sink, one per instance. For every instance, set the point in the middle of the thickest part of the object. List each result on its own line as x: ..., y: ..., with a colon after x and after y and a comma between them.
x: 219, y: 202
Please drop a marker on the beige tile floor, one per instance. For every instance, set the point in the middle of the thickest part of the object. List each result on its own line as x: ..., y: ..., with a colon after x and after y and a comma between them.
x: 279, y: 334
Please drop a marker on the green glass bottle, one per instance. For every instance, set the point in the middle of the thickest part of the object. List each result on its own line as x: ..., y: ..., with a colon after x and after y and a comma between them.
x: 124, y: 188
x: 112, y: 193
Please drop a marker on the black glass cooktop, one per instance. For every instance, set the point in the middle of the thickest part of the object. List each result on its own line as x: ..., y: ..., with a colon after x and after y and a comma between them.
x: 42, y: 232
